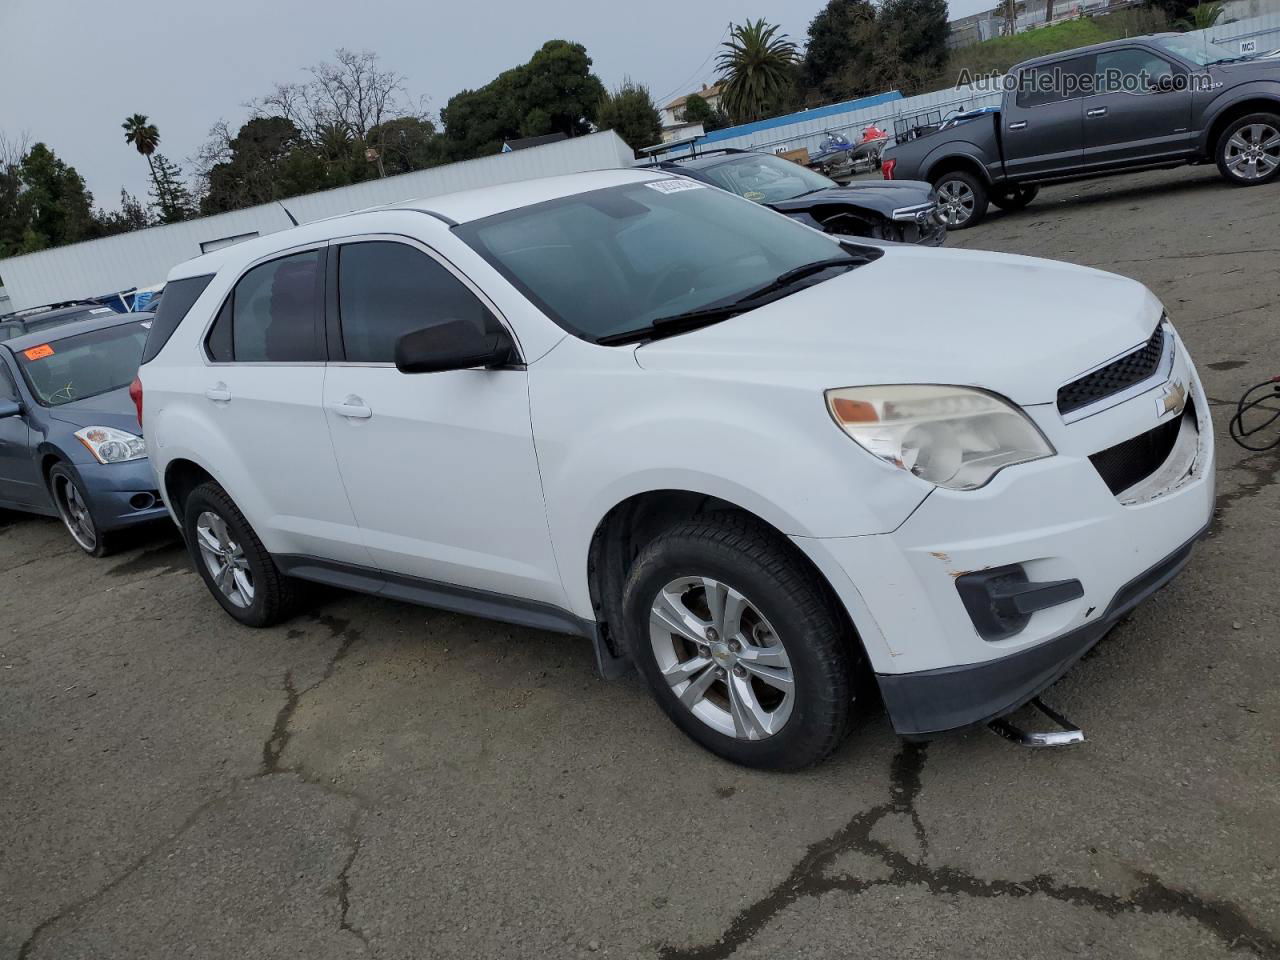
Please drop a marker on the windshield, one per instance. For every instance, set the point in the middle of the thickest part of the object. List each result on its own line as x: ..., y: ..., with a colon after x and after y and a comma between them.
x: 614, y: 260
x: 765, y: 179
x: 85, y: 365
x: 1200, y: 52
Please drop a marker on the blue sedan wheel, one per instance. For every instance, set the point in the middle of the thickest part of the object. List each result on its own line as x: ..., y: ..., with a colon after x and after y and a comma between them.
x: 74, y: 510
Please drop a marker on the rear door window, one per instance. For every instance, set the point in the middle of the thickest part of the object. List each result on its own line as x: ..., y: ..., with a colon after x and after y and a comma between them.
x: 180, y: 296
x: 274, y: 314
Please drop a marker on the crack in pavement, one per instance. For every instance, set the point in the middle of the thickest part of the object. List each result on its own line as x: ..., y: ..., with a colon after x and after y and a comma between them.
x: 1223, y: 919
x: 70, y: 910
x: 1262, y: 469
x: 1190, y: 256
x: 272, y: 750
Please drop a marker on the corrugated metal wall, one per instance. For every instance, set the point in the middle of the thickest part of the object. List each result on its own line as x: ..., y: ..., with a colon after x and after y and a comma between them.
x: 144, y: 258
x: 809, y: 132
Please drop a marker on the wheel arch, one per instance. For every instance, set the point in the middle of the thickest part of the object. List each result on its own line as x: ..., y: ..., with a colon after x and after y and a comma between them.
x: 634, y: 522
x: 181, y: 476
x: 1260, y: 97
x: 952, y: 162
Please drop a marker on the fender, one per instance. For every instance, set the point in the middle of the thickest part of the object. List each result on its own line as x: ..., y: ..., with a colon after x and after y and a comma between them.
x: 955, y: 150
x: 1253, y: 90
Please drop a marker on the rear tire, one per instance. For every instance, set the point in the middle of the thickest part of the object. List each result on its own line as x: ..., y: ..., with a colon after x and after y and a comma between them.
x: 233, y: 562
x: 742, y: 648
x: 76, y: 513
x: 1015, y: 198
x: 1248, y: 152
x: 962, y: 198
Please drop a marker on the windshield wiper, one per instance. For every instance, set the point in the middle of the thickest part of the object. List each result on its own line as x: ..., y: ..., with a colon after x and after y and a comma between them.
x: 705, y: 316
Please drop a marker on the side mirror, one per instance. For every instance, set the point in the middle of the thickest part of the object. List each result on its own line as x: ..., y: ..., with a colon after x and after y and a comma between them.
x: 9, y: 409
x: 456, y: 345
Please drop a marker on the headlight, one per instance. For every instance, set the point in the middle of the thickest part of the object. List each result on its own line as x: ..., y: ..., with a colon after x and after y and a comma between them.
x: 109, y: 445
x: 955, y: 437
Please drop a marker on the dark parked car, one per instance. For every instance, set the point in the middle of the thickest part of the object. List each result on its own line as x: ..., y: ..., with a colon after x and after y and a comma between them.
x: 70, y: 445
x: 900, y: 211
x: 1136, y: 104
x: 16, y: 325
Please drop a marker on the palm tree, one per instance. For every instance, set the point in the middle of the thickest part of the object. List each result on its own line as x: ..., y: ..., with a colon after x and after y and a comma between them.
x: 755, y: 68
x: 145, y: 137
x: 1201, y: 17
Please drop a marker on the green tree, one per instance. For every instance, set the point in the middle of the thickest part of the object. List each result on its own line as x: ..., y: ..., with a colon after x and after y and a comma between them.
x: 629, y: 112
x: 555, y: 92
x: 266, y: 160
x: 60, y: 208
x: 1201, y: 17
x: 145, y: 137
x: 914, y: 34
x: 698, y: 110
x: 131, y: 216
x: 407, y: 144
x: 839, y: 36
x: 755, y: 69
x: 169, y: 195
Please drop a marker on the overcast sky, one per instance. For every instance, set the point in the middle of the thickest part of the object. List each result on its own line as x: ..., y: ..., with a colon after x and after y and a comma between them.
x: 72, y: 70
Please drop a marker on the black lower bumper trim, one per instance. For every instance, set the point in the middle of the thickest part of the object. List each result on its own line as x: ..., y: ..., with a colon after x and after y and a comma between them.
x: 933, y: 701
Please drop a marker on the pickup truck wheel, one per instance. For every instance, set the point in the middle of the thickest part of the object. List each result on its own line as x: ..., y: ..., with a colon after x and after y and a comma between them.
x: 962, y: 198
x: 1015, y: 198
x: 233, y: 562
x: 739, y: 645
x: 1248, y: 151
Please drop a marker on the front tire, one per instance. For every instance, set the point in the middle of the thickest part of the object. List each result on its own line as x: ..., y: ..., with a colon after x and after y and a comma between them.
x: 1015, y: 198
x: 742, y: 649
x: 233, y: 562
x: 962, y: 198
x: 76, y: 514
x: 1248, y: 152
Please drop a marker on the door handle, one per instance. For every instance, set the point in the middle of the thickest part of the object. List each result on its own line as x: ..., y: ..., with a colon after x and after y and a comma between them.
x: 352, y: 407
x: 1096, y: 112
x: 218, y: 393
x: 1019, y: 125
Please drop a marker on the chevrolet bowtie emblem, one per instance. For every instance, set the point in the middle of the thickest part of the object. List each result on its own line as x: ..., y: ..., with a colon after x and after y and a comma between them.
x: 1172, y: 399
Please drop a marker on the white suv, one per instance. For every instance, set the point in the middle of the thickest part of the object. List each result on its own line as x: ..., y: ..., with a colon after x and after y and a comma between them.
x: 718, y: 443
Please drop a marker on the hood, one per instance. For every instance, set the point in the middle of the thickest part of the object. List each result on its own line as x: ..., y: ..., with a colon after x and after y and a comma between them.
x: 1262, y: 68
x: 882, y: 196
x: 1018, y: 326
x: 112, y: 409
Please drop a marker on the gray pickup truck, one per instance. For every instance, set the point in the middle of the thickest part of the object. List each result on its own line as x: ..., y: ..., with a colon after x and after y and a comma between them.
x: 1136, y: 104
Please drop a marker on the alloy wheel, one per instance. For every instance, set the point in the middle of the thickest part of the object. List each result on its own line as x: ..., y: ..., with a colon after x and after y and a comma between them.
x: 722, y: 659
x: 225, y: 559
x: 75, y: 513
x: 1253, y: 151
x: 956, y: 201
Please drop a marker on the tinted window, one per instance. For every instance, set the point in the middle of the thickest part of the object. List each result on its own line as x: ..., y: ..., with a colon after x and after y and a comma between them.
x: 1130, y: 71
x: 7, y: 389
x: 173, y: 308
x: 85, y: 365
x: 1054, y: 82
x: 612, y: 261
x: 273, y: 313
x: 386, y: 290
x: 218, y: 343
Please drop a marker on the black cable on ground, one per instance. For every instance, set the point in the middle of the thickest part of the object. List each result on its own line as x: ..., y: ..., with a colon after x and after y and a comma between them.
x: 1253, y: 397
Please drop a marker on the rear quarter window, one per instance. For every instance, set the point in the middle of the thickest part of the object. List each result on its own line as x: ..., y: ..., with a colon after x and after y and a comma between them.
x: 179, y: 296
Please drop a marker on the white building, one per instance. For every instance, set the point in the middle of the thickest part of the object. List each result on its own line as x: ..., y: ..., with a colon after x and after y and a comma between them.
x: 673, y: 113
x: 145, y: 257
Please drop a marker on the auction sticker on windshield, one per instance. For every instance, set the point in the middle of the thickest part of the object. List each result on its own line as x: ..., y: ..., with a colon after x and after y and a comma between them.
x: 674, y: 186
x: 37, y: 353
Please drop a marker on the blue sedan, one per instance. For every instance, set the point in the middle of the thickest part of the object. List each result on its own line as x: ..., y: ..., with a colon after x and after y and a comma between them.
x: 70, y: 444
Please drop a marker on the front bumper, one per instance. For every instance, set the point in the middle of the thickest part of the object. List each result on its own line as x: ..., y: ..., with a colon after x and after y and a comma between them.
x: 1056, y: 519
x: 932, y: 701
x: 121, y: 494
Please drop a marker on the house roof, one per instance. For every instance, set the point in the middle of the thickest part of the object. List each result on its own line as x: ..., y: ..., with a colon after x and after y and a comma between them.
x: 712, y: 91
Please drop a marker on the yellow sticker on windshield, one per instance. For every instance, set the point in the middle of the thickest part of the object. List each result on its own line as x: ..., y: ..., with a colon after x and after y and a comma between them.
x: 36, y: 353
